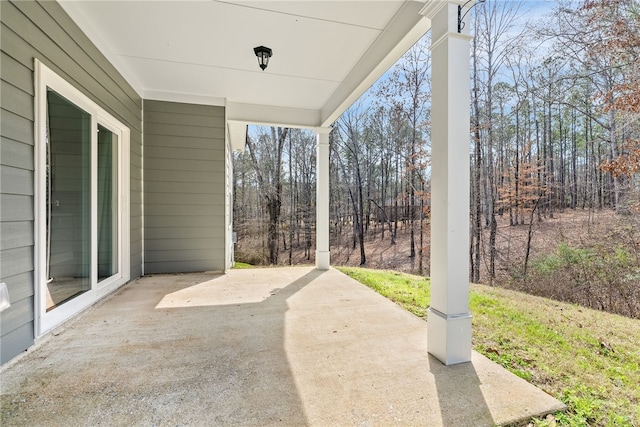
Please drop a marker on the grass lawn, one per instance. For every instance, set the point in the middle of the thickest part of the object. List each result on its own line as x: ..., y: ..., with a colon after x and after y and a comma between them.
x: 588, y: 359
x: 241, y: 265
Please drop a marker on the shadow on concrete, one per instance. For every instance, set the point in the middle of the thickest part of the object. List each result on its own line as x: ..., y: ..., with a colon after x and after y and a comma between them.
x: 290, y: 346
x: 129, y: 362
x: 459, y: 395
x: 249, y: 375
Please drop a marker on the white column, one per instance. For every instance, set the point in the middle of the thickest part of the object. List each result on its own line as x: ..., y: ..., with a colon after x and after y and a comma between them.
x: 322, y: 198
x: 449, y: 320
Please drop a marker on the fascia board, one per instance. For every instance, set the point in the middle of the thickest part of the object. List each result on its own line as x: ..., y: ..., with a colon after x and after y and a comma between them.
x: 405, y: 29
x: 269, y: 115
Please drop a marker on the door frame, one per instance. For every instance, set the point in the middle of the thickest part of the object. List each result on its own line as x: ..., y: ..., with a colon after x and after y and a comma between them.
x: 44, y: 321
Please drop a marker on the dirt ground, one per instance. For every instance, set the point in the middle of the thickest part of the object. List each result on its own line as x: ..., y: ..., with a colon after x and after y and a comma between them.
x: 600, y: 281
x: 573, y: 227
x: 380, y: 253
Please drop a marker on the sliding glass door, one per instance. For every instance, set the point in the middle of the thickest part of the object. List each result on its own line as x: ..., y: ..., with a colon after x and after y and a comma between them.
x: 68, y: 192
x: 82, y: 173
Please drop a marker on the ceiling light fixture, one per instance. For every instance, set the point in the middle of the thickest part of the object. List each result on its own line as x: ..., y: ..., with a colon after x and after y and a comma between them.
x: 263, y: 54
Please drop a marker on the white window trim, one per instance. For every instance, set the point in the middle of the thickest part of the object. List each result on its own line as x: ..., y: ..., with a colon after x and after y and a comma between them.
x: 45, y: 78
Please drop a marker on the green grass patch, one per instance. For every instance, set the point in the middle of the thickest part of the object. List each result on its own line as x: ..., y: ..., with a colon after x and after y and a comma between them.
x: 241, y: 265
x: 588, y: 359
x: 410, y: 292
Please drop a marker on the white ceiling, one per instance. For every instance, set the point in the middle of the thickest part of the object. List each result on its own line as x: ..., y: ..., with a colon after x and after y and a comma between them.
x: 325, y: 53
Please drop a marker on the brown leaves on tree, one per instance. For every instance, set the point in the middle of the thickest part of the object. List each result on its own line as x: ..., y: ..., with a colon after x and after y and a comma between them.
x: 521, y: 189
x: 617, y: 25
x: 627, y: 163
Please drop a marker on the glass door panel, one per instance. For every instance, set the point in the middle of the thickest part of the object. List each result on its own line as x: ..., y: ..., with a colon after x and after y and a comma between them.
x: 108, y: 227
x: 81, y: 198
x: 68, y: 201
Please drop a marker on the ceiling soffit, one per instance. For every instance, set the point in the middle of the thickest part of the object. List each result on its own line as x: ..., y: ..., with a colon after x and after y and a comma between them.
x: 325, y: 53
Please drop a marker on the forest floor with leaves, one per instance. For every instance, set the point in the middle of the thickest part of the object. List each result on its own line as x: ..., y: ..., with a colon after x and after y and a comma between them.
x: 570, y: 226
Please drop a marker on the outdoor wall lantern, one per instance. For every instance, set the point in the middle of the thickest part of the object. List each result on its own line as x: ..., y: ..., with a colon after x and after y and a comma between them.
x: 461, y: 16
x: 263, y: 54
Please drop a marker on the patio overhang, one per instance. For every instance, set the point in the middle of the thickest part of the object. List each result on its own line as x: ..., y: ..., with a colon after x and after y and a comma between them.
x: 325, y: 54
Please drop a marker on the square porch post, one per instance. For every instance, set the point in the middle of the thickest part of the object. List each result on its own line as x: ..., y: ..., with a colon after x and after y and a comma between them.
x: 448, y: 319
x: 322, y: 198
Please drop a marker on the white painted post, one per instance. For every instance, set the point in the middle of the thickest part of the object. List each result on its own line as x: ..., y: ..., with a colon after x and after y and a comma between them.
x: 449, y: 320
x: 322, y: 198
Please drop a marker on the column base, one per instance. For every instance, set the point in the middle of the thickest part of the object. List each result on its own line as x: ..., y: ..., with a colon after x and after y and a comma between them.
x: 449, y: 336
x: 322, y: 260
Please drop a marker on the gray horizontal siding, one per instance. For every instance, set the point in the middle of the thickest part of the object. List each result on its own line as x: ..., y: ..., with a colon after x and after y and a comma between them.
x: 182, y: 265
x: 178, y: 176
x: 184, y: 119
x: 168, y: 141
x: 177, y: 110
x: 16, y: 208
x: 186, y: 187
x: 16, y: 100
x: 16, y: 180
x: 184, y: 165
x: 186, y: 219
x: 15, y: 234
x: 19, y: 338
x: 15, y: 127
x: 15, y: 318
x: 169, y: 164
x: 161, y: 233
x: 15, y: 261
x: 42, y: 30
x: 21, y: 286
x: 177, y: 209
x: 183, y: 153
x: 181, y: 131
x: 16, y: 73
x: 155, y: 196
x: 16, y: 154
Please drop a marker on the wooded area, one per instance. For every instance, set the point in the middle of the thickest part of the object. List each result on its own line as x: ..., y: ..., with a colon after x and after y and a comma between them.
x: 555, y: 129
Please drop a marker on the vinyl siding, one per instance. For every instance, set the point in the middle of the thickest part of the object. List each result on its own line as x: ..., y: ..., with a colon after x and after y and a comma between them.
x: 184, y: 189
x: 42, y: 30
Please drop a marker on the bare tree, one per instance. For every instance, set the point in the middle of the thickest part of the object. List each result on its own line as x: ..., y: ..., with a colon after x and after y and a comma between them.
x: 351, y: 141
x: 408, y: 90
x: 495, y: 41
x: 267, y: 163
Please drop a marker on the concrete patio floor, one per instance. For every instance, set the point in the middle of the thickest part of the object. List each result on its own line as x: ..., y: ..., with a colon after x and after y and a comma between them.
x: 281, y: 346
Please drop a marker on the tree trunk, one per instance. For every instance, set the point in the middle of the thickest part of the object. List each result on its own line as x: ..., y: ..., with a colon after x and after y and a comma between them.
x: 477, y: 210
